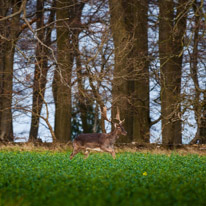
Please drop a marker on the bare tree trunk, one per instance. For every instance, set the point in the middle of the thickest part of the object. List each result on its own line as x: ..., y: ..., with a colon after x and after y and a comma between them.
x: 9, y: 30
x: 131, y: 80
x: 6, y: 79
x: 199, y: 107
x: 62, y: 75
x: 171, y: 35
x: 66, y: 22
x: 200, y: 137
x: 202, y: 126
x: 83, y: 100
x: 41, y: 67
x: 121, y: 88
x: 141, y: 121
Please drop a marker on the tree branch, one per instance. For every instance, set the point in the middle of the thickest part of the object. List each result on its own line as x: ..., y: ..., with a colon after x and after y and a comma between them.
x: 22, y: 7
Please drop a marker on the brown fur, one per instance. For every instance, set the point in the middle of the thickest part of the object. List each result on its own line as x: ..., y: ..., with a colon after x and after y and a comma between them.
x: 101, y: 141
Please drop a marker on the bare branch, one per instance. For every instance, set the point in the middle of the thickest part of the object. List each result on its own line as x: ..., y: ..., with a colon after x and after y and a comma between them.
x: 104, y: 114
x: 22, y: 7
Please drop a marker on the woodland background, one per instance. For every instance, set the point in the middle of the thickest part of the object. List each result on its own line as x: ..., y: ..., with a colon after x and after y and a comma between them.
x: 62, y: 61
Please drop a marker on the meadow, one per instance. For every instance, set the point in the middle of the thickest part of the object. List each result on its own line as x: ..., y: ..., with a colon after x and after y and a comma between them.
x: 49, y: 178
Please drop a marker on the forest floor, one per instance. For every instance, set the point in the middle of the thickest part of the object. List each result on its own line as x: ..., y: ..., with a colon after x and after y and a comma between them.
x: 120, y: 147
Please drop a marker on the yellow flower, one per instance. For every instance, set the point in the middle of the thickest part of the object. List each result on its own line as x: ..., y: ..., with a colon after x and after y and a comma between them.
x: 145, y: 173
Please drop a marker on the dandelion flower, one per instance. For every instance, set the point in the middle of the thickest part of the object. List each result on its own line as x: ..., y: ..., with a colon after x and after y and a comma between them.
x: 145, y: 173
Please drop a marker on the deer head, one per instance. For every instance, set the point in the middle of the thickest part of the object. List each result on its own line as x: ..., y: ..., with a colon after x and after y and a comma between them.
x: 118, y: 126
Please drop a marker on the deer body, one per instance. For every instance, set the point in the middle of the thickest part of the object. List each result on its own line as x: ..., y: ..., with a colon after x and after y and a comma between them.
x: 98, y: 141
x: 94, y: 140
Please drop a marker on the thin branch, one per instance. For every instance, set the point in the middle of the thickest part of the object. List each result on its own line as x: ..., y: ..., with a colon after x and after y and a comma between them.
x: 22, y: 7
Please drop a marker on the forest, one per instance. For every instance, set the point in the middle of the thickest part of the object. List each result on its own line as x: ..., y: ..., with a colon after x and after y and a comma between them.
x: 63, y: 61
x: 128, y: 74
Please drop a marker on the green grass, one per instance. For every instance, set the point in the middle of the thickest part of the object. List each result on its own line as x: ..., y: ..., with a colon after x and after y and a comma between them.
x: 46, y: 178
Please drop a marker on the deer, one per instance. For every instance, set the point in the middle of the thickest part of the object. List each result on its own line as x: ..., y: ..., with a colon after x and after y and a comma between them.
x: 101, y: 142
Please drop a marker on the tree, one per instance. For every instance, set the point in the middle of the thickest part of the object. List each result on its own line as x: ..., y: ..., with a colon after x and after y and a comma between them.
x: 131, y: 75
x: 67, y: 16
x: 141, y: 116
x: 10, y: 29
x: 172, y: 26
x: 199, y: 104
x: 42, y: 65
x: 94, y: 77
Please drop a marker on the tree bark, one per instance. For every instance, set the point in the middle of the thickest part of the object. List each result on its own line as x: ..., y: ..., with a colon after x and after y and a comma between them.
x: 9, y: 30
x: 198, y: 105
x: 83, y: 99
x: 41, y: 67
x: 66, y: 22
x: 120, y: 86
x: 171, y: 33
x: 6, y: 79
x: 141, y: 120
x: 131, y: 80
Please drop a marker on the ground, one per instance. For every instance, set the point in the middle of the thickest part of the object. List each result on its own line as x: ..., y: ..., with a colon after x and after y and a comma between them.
x: 143, y: 175
x: 127, y: 147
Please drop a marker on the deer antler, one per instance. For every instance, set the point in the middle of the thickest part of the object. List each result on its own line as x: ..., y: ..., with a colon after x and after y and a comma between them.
x: 118, y: 117
x: 104, y: 114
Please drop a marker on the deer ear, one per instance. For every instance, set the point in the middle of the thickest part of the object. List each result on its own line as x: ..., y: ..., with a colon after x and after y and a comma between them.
x: 115, y: 125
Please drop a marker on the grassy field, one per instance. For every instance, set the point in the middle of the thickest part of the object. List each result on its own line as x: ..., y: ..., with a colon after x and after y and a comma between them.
x: 50, y: 178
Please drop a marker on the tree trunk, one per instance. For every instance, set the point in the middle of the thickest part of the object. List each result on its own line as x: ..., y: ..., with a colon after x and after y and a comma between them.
x: 62, y: 75
x: 83, y: 100
x: 6, y: 79
x: 9, y: 30
x: 131, y: 80
x: 171, y: 35
x: 120, y: 85
x: 199, y: 105
x: 41, y: 68
x: 141, y: 121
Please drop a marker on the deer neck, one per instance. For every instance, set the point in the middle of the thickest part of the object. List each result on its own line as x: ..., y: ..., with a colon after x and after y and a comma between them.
x: 114, y: 134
